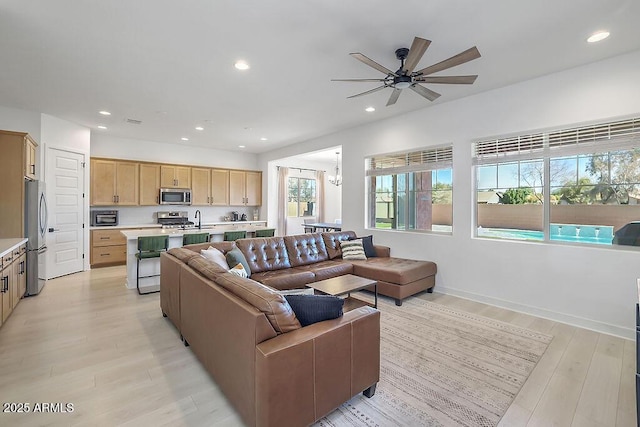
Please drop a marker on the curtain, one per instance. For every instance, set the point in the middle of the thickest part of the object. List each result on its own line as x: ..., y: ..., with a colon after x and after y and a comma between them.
x: 320, y: 195
x: 283, y: 177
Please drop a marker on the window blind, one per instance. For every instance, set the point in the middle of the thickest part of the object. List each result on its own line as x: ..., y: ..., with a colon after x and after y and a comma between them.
x: 622, y: 134
x: 412, y: 161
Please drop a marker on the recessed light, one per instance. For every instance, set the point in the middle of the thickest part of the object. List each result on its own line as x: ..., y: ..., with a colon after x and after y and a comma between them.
x: 598, y: 36
x: 241, y: 146
x: 264, y: 139
x: 105, y: 113
x: 184, y: 139
x: 369, y: 109
x: 102, y: 127
x: 241, y: 65
x: 199, y: 128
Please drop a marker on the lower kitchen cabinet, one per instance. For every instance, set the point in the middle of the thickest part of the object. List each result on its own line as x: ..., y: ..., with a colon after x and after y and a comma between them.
x: 108, y: 247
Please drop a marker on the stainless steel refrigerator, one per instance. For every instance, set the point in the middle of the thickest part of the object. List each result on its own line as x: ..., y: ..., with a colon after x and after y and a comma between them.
x: 35, y: 226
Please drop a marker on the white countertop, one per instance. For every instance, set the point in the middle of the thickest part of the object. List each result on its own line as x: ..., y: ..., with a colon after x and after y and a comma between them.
x: 120, y: 227
x: 8, y: 245
x: 178, y: 232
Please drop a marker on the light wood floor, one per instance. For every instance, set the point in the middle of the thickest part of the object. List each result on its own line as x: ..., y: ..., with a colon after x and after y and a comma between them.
x: 88, y: 341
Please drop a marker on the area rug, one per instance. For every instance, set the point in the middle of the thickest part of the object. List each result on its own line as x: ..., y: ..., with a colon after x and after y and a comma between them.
x: 443, y: 367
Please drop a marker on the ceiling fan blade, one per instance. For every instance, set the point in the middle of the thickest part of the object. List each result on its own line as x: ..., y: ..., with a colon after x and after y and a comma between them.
x: 417, y: 49
x: 371, y: 63
x: 456, y: 80
x: 427, y: 93
x: 394, y: 96
x: 461, y: 58
x: 367, y: 92
x: 358, y: 80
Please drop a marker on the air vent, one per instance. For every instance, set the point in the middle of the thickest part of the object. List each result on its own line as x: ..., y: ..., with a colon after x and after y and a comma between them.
x: 134, y: 121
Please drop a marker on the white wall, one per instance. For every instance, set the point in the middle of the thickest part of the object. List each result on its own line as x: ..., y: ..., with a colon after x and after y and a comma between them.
x: 586, y: 286
x: 20, y: 121
x: 63, y: 135
x: 103, y: 145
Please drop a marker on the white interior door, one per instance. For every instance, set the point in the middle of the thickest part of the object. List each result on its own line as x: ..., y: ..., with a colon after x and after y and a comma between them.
x: 65, y: 188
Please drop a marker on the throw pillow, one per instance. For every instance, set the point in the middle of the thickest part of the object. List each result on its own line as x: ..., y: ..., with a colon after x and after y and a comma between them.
x: 311, y: 309
x: 352, y: 249
x: 234, y: 256
x: 303, y: 291
x: 367, y: 244
x: 238, y: 270
x: 213, y: 254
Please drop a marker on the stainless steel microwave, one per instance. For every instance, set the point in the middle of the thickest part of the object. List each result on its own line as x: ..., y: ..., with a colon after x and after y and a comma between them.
x: 175, y: 196
x: 102, y: 218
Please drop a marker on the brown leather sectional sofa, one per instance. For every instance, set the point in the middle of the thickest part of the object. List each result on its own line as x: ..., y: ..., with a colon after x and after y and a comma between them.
x: 272, y: 370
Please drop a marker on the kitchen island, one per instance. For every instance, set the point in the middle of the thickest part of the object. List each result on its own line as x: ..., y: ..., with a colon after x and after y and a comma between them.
x: 151, y: 267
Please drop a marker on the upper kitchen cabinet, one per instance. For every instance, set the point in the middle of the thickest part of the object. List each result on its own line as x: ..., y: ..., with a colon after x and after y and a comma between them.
x: 17, y: 162
x: 29, y: 157
x: 149, y: 184
x: 172, y: 176
x: 245, y: 188
x: 200, y: 186
x: 114, y: 183
x: 209, y: 187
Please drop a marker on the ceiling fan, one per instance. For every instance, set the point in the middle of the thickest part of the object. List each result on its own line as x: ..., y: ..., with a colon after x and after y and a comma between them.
x: 405, y: 77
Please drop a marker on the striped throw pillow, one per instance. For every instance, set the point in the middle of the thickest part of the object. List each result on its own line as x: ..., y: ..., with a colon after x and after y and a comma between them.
x: 352, y: 249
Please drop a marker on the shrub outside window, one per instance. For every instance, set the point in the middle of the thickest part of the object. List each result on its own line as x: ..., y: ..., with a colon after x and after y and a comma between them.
x: 579, y: 185
x: 411, y: 190
x: 302, y: 197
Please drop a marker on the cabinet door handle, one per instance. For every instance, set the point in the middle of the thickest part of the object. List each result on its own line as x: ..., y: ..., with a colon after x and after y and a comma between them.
x: 5, y: 284
x: 113, y: 198
x: 33, y: 169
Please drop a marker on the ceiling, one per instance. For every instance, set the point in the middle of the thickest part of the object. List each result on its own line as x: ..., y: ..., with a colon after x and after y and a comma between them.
x: 170, y: 64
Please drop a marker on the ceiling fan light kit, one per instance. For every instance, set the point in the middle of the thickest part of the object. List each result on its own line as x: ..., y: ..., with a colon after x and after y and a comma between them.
x: 406, y: 78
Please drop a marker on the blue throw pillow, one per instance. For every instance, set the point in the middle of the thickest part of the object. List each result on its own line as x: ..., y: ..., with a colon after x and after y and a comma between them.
x: 367, y: 244
x: 235, y: 256
x: 310, y: 309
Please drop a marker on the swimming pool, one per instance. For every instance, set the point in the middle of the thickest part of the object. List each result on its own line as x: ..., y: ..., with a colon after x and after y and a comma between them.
x: 593, y: 234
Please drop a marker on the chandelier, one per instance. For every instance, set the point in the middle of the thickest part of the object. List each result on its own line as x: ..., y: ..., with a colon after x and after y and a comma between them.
x: 337, y: 178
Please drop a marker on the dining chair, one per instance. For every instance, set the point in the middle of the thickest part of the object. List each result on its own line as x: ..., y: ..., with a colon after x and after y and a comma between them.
x: 230, y: 236
x: 149, y: 247
x: 267, y: 232
x: 193, y: 238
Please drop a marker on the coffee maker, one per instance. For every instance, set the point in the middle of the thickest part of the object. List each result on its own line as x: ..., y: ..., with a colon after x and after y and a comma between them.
x: 235, y: 216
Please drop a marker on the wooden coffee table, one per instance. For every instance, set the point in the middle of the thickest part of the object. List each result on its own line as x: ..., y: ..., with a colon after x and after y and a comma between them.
x: 344, y: 285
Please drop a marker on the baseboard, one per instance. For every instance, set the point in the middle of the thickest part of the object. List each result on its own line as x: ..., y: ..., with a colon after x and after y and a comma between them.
x: 605, y: 328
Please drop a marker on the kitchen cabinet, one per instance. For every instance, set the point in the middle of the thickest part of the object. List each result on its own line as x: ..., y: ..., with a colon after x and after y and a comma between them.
x: 7, y: 285
x: 30, y: 158
x: 17, y: 162
x: 108, y: 247
x: 172, y: 176
x: 210, y: 187
x: 149, y: 184
x: 114, y: 183
x: 200, y: 186
x: 245, y: 188
x: 20, y: 274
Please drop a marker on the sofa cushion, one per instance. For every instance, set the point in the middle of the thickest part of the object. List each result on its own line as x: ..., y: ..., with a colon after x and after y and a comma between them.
x: 269, y: 302
x: 213, y: 254
x: 183, y: 254
x: 310, y: 309
x: 290, y: 278
x: 208, y: 269
x: 328, y: 269
x: 352, y: 249
x: 235, y: 257
x: 264, y: 254
x: 394, y: 270
x: 332, y: 242
x: 305, y: 249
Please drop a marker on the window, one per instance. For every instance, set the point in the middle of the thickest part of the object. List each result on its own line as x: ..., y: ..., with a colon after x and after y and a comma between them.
x: 411, y: 190
x: 575, y: 185
x: 302, y: 197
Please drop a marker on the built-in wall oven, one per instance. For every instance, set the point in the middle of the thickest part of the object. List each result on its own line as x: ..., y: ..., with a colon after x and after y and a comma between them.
x: 175, y: 196
x: 104, y: 218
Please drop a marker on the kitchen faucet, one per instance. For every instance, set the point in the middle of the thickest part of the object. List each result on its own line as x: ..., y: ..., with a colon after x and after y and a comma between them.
x: 199, y: 216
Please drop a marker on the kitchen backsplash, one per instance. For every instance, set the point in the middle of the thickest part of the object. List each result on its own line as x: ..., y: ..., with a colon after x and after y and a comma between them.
x: 145, y: 214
